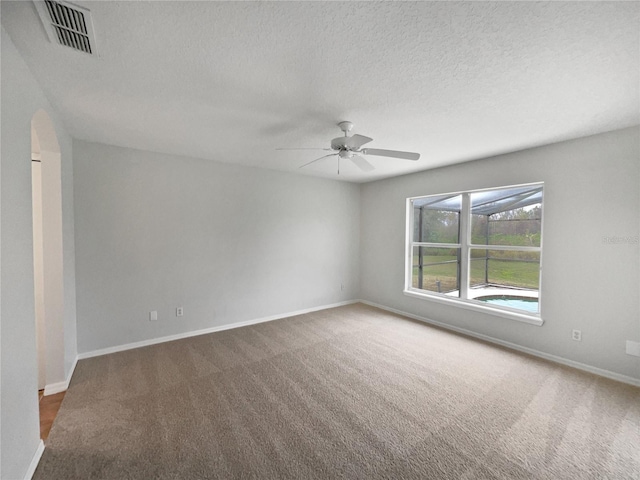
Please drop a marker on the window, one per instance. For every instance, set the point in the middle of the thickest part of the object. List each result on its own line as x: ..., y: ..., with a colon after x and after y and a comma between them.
x: 480, y: 249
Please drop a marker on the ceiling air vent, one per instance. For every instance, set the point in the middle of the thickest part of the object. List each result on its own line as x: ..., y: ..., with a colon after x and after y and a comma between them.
x: 67, y: 24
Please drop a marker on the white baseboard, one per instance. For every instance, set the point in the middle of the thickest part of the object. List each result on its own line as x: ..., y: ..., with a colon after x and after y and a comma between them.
x: 34, y: 461
x: 229, y: 326
x: 61, y: 386
x: 513, y: 346
x: 52, y: 388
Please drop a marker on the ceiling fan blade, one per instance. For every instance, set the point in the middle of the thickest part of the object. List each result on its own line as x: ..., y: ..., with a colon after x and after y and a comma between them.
x: 361, y: 163
x: 356, y: 141
x: 312, y: 161
x: 391, y: 153
x: 305, y: 148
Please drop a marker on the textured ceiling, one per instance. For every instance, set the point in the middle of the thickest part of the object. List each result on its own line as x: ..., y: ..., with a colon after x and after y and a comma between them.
x: 232, y: 81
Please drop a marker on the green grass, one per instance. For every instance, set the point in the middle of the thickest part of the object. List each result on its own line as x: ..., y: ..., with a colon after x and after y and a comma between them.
x: 515, y: 274
x: 508, y: 273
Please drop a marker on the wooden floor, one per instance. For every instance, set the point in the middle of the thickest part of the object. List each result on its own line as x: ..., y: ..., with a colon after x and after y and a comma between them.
x: 49, y: 407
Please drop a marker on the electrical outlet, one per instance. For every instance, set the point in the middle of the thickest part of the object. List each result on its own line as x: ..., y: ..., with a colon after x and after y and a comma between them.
x: 576, y: 335
x: 179, y: 312
x: 153, y: 316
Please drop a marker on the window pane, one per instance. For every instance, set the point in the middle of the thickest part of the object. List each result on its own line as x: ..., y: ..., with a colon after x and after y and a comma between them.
x: 505, y: 269
x: 436, y: 269
x: 436, y: 219
x: 478, y: 269
x: 479, y: 229
x: 510, y: 216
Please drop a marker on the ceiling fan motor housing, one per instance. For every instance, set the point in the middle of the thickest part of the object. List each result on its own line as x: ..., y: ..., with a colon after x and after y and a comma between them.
x: 340, y: 143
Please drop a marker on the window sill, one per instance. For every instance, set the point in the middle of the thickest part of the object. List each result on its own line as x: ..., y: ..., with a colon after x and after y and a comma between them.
x: 532, y: 319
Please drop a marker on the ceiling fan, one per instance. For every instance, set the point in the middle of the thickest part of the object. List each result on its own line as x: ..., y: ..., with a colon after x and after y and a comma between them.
x: 350, y: 147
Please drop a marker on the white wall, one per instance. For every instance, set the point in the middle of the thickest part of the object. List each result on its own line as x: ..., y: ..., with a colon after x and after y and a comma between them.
x: 21, y: 98
x: 38, y: 272
x: 228, y: 243
x: 591, y: 191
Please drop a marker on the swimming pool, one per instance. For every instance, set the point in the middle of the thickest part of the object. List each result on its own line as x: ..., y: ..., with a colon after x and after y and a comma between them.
x: 527, y: 304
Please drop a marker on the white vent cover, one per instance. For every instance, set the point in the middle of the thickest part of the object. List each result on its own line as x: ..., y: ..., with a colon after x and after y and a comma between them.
x: 67, y: 24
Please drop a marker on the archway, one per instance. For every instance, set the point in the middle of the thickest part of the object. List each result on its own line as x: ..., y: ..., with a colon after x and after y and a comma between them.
x: 48, y: 261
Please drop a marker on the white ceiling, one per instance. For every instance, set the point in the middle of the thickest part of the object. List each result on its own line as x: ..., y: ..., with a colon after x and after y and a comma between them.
x: 232, y: 81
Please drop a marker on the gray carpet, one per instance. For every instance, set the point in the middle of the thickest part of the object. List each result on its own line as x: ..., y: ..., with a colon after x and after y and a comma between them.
x: 351, y: 392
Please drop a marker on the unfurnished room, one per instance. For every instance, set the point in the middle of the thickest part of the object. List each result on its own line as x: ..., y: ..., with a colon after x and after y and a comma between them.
x: 320, y: 240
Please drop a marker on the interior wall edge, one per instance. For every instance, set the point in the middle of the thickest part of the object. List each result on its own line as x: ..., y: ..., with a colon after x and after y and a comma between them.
x: 35, y: 461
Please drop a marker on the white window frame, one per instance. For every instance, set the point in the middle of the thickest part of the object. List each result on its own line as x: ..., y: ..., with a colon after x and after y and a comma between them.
x: 465, y: 247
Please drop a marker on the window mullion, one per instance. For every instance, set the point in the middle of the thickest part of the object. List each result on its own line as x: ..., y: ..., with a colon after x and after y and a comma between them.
x: 420, y: 258
x: 465, y: 240
x: 409, y: 244
x: 435, y: 244
x: 514, y: 248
